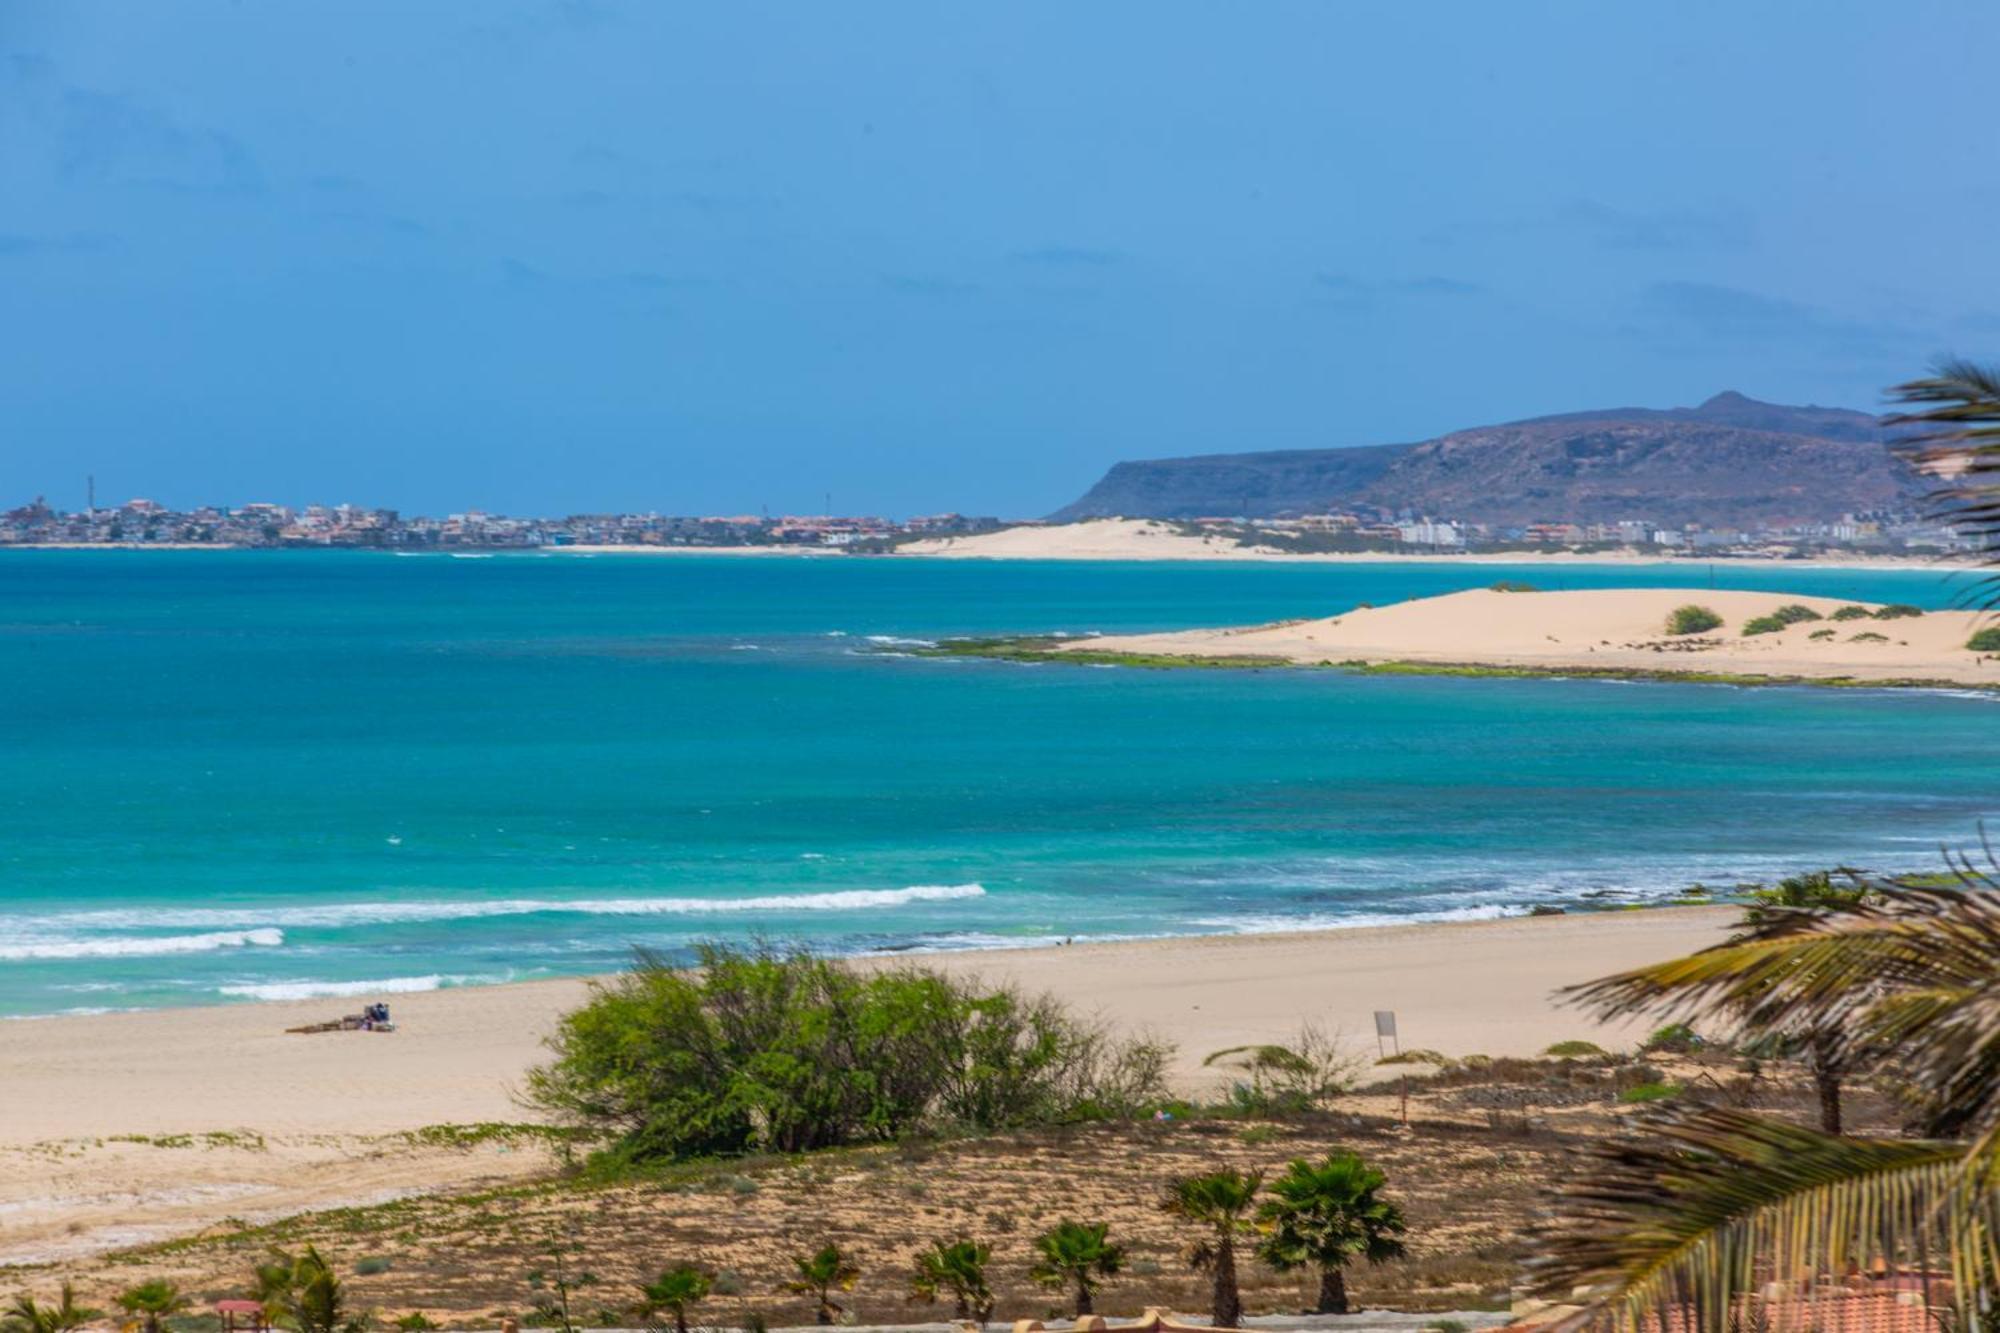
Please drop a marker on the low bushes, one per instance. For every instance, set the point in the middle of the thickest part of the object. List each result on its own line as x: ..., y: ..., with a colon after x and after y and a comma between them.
x: 1512, y: 585
x: 1762, y: 625
x: 1852, y: 612
x: 1986, y: 640
x: 1692, y: 619
x: 1792, y: 613
x: 1898, y: 611
x: 788, y: 1052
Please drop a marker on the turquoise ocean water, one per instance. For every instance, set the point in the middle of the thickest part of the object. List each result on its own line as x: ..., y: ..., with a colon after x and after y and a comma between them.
x: 242, y: 775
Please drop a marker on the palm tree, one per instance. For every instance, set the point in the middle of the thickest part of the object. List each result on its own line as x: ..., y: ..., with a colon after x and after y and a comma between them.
x: 956, y: 1269
x: 151, y: 1302
x: 1724, y: 1200
x: 303, y: 1291
x: 1325, y: 1215
x: 27, y: 1315
x: 1220, y: 1201
x: 819, y: 1276
x: 1817, y: 889
x: 678, y: 1290
x: 1076, y: 1254
x: 1955, y: 414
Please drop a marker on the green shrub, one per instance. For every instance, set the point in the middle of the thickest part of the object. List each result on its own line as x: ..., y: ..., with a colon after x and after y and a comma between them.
x: 1447, y: 1326
x: 1792, y: 613
x: 1512, y: 585
x: 372, y: 1265
x: 1692, y: 619
x: 1852, y: 612
x: 1868, y: 636
x: 1674, y: 1039
x: 1898, y: 611
x: 1763, y: 625
x: 1820, y: 634
x: 1986, y: 640
x: 1575, y: 1050
x: 1650, y: 1092
x: 788, y: 1052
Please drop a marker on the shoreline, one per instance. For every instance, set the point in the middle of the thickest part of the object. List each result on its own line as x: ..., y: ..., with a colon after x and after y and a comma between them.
x: 159, y: 1122
x: 1219, y: 555
x: 1735, y: 637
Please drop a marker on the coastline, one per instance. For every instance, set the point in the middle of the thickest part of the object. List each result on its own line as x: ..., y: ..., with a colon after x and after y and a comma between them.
x: 1056, y: 552
x: 157, y: 1122
x: 1600, y: 633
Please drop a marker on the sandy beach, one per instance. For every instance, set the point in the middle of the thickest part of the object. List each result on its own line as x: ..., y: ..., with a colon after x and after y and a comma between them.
x: 1153, y: 539
x: 275, y: 1123
x: 1607, y: 629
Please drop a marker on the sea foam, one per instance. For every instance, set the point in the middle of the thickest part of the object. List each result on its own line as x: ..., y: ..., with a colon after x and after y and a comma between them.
x: 308, y: 990
x: 252, y: 921
x: 18, y: 948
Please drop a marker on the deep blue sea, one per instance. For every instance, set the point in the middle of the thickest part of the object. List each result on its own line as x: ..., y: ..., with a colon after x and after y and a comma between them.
x: 239, y: 775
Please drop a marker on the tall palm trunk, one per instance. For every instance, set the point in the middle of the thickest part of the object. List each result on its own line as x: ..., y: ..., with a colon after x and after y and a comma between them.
x: 1227, y: 1309
x: 1827, y: 1072
x: 1332, y: 1291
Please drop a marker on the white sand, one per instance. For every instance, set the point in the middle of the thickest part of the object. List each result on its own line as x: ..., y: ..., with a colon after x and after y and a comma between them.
x: 1152, y: 539
x: 329, y: 1106
x: 1612, y: 628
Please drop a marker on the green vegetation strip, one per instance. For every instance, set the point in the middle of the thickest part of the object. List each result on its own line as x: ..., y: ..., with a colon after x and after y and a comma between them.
x: 1043, y: 649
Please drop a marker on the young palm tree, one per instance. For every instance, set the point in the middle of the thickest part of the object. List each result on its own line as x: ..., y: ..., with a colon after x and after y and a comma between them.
x: 151, y: 1302
x: 1324, y: 1215
x: 678, y: 1290
x: 956, y: 1269
x: 1220, y: 1201
x: 1726, y: 1200
x: 1832, y: 891
x: 1076, y: 1254
x: 819, y: 1276
x: 27, y: 1315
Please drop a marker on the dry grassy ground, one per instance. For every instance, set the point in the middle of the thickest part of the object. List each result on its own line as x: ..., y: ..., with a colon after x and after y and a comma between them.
x: 1468, y: 1170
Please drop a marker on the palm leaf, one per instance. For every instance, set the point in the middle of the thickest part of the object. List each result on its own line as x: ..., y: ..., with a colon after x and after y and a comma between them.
x: 1915, y: 970
x: 1953, y: 433
x: 1694, y: 1219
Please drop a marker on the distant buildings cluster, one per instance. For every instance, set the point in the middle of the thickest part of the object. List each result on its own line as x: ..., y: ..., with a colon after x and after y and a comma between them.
x: 143, y: 523
x: 1880, y: 532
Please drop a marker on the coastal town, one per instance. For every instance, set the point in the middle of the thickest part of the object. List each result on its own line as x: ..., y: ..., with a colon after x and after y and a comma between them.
x: 144, y: 523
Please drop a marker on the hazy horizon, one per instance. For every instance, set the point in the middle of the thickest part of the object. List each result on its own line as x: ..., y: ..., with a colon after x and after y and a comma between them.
x: 543, y: 258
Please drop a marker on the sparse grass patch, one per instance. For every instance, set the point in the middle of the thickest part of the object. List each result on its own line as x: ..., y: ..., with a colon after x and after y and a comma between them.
x: 1851, y: 612
x: 1649, y: 1092
x: 1868, y: 636
x: 1576, y: 1049
x: 1898, y: 611
x: 1763, y: 625
x: 1692, y: 619
x: 1986, y: 640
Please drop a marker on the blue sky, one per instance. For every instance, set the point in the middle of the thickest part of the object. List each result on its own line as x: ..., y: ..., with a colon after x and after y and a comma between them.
x: 582, y: 255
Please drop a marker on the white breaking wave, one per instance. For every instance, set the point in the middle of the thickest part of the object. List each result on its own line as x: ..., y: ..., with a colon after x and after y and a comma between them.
x: 19, y: 949
x: 251, y: 921
x: 307, y: 990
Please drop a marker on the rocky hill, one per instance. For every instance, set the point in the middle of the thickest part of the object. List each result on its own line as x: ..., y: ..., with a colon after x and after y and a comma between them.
x: 1731, y: 461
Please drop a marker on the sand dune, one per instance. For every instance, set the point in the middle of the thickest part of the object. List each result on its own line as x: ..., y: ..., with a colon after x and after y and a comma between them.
x: 1610, y: 629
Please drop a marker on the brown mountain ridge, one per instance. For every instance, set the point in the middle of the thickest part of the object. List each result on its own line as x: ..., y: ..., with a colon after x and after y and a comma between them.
x: 1733, y: 461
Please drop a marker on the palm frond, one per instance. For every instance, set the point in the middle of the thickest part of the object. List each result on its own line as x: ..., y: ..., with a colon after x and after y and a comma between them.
x: 1953, y: 433
x: 1719, y: 1202
x: 1914, y: 970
